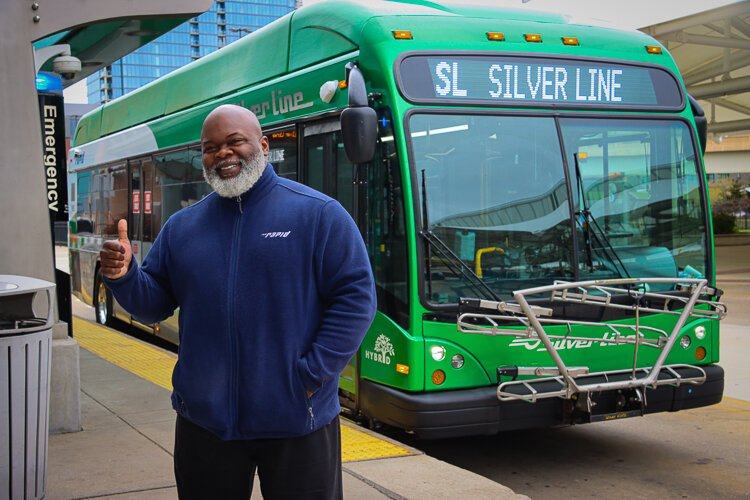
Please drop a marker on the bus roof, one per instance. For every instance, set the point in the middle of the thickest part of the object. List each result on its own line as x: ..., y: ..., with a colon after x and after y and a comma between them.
x: 307, y: 36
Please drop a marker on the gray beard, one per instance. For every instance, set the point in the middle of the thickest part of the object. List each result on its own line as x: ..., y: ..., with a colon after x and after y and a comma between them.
x: 250, y: 172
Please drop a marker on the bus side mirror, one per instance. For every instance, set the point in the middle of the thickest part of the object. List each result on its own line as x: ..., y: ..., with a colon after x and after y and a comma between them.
x: 359, y: 122
x: 359, y: 129
x: 700, y: 122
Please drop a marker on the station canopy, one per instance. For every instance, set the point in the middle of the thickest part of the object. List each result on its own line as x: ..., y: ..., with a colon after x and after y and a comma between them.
x: 712, y: 50
x: 100, y: 44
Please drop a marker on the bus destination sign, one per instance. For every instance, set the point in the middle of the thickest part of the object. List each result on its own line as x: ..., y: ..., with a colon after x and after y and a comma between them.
x: 505, y: 80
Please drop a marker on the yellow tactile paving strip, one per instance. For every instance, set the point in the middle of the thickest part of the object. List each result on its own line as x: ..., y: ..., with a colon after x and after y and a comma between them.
x: 358, y: 445
x: 735, y: 405
x: 156, y: 366
x: 137, y: 357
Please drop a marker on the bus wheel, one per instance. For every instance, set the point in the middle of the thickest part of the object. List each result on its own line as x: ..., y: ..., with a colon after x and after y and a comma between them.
x: 102, y: 302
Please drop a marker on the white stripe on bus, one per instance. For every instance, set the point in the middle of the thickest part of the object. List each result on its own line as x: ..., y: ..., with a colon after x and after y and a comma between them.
x: 125, y: 144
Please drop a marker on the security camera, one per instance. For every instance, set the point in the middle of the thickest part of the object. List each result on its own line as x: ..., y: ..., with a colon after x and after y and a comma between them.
x: 66, y: 66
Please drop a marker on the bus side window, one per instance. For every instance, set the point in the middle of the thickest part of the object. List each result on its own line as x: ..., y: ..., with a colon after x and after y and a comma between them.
x: 178, y: 183
x: 315, y: 162
x: 110, y: 189
x: 326, y: 166
x: 282, y: 152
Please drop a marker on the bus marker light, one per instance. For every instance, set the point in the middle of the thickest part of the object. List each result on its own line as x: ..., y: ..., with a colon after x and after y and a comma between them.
x: 533, y: 37
x: 328, y: 90
x: 457, y: 361
x: 570, y: 40
x: 495, y: 36
x: 438, y: 377
x: 653, y: 49
x: 438, y: 352
x: 402, y: 368
x: 582, y: 156
x: 402, y: 34
x: 700, y: 353
x: 685, y: 342
x: 342, y: 84
x: 700, y: 332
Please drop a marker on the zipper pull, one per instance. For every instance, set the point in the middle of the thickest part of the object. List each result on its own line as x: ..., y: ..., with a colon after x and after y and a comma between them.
x: 312, y: 417
x: 239, y: 202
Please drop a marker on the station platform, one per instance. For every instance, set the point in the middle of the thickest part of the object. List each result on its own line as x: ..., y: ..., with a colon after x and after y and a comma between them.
x: 125, y: 448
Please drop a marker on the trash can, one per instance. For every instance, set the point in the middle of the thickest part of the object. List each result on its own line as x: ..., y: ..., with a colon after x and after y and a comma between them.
x: 25, y: 356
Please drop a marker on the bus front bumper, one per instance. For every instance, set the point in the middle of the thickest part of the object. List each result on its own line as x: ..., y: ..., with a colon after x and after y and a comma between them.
x: 469, y: 412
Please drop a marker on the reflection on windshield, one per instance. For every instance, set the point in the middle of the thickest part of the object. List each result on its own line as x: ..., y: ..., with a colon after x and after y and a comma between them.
x: 496, y: 193
x: 640, y: 183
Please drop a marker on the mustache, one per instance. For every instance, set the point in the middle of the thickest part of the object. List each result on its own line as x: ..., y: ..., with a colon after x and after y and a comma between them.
x: 226, y: 163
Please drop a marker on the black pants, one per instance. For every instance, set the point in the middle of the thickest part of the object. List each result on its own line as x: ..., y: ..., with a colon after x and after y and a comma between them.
x: 307, y: 467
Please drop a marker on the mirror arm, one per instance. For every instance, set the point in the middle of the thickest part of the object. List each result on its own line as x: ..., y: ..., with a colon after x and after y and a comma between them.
x: 701, y: 122
x: 356, y: 83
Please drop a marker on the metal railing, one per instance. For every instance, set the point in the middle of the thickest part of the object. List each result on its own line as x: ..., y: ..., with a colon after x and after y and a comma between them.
x: 632, y: 294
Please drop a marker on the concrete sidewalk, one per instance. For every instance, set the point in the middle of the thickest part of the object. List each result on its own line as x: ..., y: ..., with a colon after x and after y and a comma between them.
x: 125, y: 451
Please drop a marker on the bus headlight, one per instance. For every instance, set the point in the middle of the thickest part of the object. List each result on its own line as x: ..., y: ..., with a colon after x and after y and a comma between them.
x: 438, y: 352
x: 700, y: 332
x: 685, y: 341
x: 457, y: 361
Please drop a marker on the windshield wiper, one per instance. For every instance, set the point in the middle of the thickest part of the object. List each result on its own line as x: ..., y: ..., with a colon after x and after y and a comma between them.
x: 587, y: 221
x: 456, y: 265
x: 452, y: 261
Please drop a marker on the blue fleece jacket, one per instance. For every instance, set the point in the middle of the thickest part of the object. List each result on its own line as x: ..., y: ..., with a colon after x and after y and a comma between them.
x: 275, y: 294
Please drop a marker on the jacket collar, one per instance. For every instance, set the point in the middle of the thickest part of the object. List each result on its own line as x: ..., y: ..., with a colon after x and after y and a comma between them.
x: 259, y: 189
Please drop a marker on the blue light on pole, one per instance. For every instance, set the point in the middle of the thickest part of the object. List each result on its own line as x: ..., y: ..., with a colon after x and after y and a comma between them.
x: 48, y: 82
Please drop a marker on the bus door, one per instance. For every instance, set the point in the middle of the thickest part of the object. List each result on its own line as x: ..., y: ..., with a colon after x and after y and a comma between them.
x: 326, y: 168
x: 139, y: 215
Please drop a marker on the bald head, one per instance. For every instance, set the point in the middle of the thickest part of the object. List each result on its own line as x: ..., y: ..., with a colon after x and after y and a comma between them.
x: 231, y: 114
x: 228, y: 126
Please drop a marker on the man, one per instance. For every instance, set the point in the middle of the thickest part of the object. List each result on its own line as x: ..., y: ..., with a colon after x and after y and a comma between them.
x: 275, y: 294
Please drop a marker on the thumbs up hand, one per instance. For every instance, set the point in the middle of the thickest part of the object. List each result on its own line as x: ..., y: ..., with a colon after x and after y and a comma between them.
x: 116, y: 255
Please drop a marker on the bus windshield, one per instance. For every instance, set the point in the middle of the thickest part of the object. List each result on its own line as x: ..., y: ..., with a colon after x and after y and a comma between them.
x: 525, y: 200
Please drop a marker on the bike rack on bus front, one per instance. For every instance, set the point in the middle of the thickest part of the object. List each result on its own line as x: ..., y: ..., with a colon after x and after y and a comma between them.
x: 564, y: 382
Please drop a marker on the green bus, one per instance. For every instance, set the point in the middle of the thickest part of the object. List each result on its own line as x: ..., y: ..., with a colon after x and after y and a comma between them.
x: 531, y: 193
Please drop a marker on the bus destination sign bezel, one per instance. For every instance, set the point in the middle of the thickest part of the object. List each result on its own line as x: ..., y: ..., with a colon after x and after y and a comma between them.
x: 494, y: 79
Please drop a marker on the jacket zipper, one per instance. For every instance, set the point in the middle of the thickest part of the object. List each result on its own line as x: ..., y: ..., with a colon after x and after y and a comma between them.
x: 234, y: 367
x: 310, y: 411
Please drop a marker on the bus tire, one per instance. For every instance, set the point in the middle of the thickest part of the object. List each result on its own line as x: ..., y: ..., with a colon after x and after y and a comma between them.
x: 102, y: 302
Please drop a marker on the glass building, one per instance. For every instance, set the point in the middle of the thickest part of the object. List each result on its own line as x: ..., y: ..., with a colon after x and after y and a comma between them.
x: 225, y: 22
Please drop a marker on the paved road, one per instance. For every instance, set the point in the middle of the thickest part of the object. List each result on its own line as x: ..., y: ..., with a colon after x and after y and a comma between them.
x: 695, y: 454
